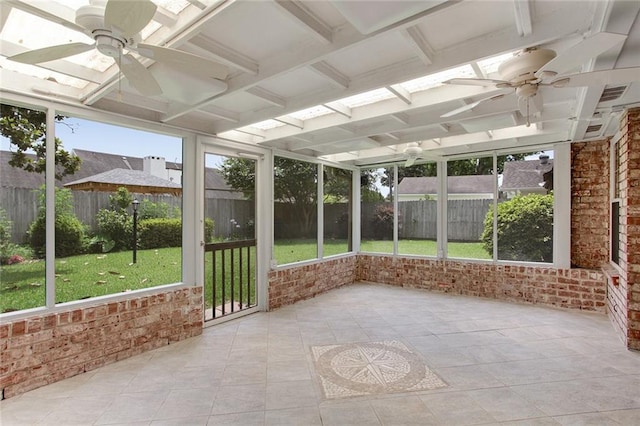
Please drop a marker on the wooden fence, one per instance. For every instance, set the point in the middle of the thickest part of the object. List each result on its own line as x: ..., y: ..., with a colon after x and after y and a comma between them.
x: 235, y: 218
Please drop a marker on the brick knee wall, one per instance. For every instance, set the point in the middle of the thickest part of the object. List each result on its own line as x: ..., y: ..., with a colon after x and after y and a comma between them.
x: 290, y: 285
x: 40, y: 350
x: 566, y: 288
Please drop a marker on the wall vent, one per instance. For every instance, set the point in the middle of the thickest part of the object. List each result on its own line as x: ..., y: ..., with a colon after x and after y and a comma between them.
x: 593, y: 128
x: 612, y: 93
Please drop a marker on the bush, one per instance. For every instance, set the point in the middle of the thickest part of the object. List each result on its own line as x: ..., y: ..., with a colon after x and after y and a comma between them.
x: 208, y: 230
x: 115, y: 228
x: 69, y: 231
x: 69, y: 234
x: 150, y: 210
x: 157, y: 233
x: 525, y: 229
x: 383, y: 222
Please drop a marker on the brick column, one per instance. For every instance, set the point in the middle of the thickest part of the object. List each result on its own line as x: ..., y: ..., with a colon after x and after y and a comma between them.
x: 630, y: 221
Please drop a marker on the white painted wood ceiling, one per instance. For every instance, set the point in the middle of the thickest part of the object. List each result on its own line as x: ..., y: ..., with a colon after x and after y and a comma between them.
x: 296, y: 65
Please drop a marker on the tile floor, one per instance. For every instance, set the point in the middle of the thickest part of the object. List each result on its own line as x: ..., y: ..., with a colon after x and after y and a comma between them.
x: 503, y: 364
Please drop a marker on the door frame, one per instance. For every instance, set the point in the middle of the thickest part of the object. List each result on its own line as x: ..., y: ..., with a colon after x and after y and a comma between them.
x: 263, y: 213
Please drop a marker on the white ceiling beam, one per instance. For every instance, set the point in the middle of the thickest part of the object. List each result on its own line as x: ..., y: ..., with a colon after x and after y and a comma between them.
x: 392, y: 136
x: 346, y: 129
x: 309, y: 21
x: 198, y: 4
x: 221, y: 114
x: 49, y: 10
x: 224, y: 55
x: 253, y: 131
x: 290, y: 121
x: 400, y: 92
x: 444, y: 127
x: 165, y: 17
x: 5, y: 8
x: 339, y: 108
x: 419, y: 43
x: 334, y: 76
x: 267, y: 96
x: 522, y: 11
x: 477, y: 70
x: 400, y: 118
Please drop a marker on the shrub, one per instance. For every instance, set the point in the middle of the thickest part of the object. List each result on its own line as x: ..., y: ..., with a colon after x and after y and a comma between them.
x: 150, y: 210
x: 208, y: 230
x: 525, y: 229
x: 115, y: 229
x: 157, y: 233
x: 383, y: 221
x: 69, y: 231
x: 5, y: 235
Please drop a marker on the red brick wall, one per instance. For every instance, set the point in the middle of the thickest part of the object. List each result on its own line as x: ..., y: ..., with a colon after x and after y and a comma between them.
x: 567, y: 288
x: 44, y: 349
x: 590, y: 204
x: 290, y: 285
x: 630, y: 223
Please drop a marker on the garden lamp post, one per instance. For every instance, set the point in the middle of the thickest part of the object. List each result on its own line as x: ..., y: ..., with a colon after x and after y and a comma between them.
x: 135, y: 204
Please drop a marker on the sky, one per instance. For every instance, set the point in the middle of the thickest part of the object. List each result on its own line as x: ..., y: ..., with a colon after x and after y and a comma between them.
x: 94, y: 136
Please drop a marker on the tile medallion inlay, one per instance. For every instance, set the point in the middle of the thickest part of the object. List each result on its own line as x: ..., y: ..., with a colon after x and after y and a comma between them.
x: 371, y: 368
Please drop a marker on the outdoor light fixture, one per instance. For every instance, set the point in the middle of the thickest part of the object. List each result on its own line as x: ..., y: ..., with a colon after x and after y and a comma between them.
x: 135, y: 204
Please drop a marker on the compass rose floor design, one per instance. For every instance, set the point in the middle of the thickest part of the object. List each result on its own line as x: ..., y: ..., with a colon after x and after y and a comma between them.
x: 371, y: 368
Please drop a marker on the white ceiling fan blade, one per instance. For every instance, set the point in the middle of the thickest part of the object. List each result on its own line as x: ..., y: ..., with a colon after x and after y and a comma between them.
x: 410, y: 161
x: 472, y: 105
x: 580, y: 53
x: 139, y: 77
x: 188, y: 61
x: 484, y: 82
x: 129, y: 17
x: 51, y: 53
x: 605, y: 77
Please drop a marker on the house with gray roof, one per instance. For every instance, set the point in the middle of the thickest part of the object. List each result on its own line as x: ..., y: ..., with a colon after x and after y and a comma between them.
x: 459, y: 188
x: 527, y: 177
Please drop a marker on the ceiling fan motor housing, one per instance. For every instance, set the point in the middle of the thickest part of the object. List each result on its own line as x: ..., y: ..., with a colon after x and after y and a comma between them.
x: 522, y: 67
x: 90, y: 17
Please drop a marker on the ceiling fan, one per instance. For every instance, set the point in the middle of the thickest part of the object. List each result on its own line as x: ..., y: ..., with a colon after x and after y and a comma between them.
x: 115, y: 26
x: 534, y: 68
x: 413, y: 151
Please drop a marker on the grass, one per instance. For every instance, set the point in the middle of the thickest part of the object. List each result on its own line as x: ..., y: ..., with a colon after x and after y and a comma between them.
x: 78, y: 277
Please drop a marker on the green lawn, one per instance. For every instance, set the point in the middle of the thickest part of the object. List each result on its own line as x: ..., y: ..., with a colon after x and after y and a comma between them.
x: 79, y: 277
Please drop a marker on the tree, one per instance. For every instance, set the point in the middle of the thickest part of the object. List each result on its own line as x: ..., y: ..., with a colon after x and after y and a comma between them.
x: 26, y: 130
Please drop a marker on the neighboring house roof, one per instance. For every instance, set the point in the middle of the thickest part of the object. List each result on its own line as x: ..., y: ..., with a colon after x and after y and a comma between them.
x: 524, y: 174
x: 134, y: 180
x: 480, y: 184
x: 96, y: 163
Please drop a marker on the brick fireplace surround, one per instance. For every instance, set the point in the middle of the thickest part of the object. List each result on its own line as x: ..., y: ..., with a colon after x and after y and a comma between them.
x: 42, y: 349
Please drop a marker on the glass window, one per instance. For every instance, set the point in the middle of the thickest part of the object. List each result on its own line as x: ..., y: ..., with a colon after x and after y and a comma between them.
x: 417, y: 209
x: 22, y: 221
x: 295, y: 210
x: 119, y: 215
x: 470, y: 188
x: 376, y: 213
x: 525, y: 208
x: 338, y: 222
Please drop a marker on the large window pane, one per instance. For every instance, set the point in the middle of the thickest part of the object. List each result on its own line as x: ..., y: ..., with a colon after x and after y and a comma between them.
x: 470, y: 187
x: 376, y: 213
x: 417, y: 209
x: 525, y: 209
x: 295, y: 210
x: 337, y: 210
x: 22, y: 222
x: 98, y: 250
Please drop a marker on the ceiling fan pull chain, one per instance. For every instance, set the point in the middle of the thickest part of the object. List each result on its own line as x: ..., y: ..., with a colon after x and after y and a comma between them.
x: 528, y: 120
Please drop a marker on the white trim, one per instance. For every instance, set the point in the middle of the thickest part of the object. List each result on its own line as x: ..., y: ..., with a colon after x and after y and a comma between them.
x: 50, y: 213
x: 189, y: 208
x: 494, y: 253
x: 320, y: 211
x: 356, y: 208
x: 441, y: 219
x: 562, y: 206
x: 394, y: 194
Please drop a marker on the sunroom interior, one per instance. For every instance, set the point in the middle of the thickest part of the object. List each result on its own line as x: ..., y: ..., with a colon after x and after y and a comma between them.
x: 382, y: 141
